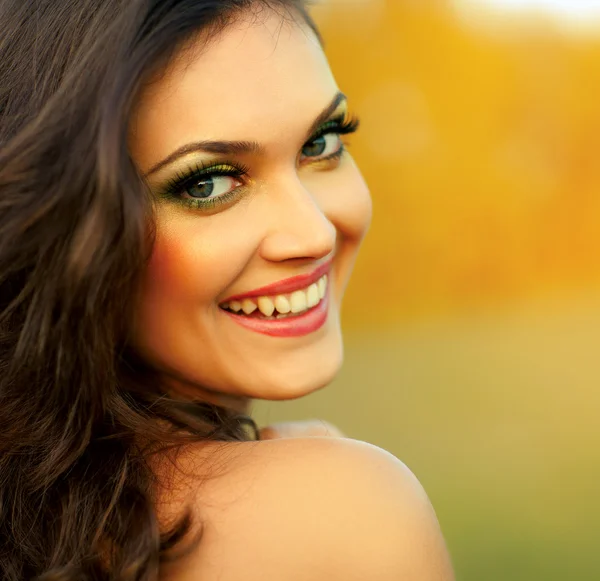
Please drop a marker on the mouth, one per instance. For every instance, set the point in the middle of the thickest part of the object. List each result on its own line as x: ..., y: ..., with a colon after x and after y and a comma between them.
x: 281, y: 306
x: 300, y: 311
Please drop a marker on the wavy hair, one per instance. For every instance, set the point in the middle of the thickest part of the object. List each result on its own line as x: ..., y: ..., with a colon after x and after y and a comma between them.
x: 80, y: 414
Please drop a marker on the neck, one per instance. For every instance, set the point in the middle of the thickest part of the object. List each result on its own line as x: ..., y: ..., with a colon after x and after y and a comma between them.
x: 187, y: 391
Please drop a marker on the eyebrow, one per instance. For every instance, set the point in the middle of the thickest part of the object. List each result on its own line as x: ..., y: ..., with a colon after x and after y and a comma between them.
x: 241, y: 147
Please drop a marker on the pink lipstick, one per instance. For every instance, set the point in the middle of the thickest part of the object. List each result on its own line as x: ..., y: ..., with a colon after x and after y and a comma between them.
x: 287, y: 285
x: 292, y: 307
x: 291, y: 326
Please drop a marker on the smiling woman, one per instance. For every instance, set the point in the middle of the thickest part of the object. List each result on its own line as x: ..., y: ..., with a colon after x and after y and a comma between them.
x: 180, y: 217
x: 276, y: 194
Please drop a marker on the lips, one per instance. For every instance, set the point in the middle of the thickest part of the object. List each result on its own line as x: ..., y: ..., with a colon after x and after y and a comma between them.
x: 289, y: 308
x: 293, y: 325
x: 288, y: 285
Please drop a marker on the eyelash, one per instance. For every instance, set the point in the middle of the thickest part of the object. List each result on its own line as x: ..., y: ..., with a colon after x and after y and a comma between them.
x: 341, y: 125
x: 174, y: 188
x: 178, y: 184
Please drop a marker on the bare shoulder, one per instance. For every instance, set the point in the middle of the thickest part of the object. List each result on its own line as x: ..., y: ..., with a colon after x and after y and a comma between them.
x: 314, y: 509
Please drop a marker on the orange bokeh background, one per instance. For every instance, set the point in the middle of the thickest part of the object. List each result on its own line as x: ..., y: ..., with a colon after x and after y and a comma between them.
x: 482, y: 151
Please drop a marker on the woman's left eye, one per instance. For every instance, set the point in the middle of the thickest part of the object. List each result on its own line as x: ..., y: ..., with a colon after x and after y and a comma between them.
x: 323, y: 147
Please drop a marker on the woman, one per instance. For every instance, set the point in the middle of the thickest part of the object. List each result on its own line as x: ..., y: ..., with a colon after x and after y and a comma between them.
x: 179, y: 217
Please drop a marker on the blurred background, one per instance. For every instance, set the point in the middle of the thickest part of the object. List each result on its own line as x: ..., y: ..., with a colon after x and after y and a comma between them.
x: 472, y: 322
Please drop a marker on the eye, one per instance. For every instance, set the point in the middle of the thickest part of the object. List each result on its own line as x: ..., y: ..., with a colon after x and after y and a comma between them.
x: 206, y: 187
x: 323, y: 147
x: 212, y: 187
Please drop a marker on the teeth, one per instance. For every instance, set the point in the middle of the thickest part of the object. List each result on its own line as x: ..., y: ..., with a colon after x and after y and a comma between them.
x: 298, y: 301
x: 282, y: 305
x: 312, y: 296
x: 322, y: 285
x: 266, y: 306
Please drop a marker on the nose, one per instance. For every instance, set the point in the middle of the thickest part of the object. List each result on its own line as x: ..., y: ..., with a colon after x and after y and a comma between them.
x: 299, y: 229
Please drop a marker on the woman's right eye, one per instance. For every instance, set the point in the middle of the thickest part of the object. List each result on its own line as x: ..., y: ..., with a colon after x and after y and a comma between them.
x: 212, y: 187
x: 207, y: 187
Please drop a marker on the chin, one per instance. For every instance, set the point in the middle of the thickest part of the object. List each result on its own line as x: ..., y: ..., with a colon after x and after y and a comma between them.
x: 300, y: 374
x: 297, y: 385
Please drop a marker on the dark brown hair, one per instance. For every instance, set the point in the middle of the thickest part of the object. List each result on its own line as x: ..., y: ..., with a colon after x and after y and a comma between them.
x: 79, y: 413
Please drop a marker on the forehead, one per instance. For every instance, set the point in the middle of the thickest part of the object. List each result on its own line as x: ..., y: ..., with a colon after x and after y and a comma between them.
x: 261, y: 76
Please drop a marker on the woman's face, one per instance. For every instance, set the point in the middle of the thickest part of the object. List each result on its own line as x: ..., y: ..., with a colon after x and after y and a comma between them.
x: 260, y: 212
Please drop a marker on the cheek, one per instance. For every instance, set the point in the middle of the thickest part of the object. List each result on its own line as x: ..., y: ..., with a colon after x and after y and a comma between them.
x: 355, y: 215
x: 194, y: 260
x: 188, y: 259
x: 180, y: 269
x: 168, y: 270
x: 346, y: 201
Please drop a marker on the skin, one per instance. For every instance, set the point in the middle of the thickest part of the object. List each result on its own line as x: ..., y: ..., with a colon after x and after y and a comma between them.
x: 266, y: 80
x: 306, y: 509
